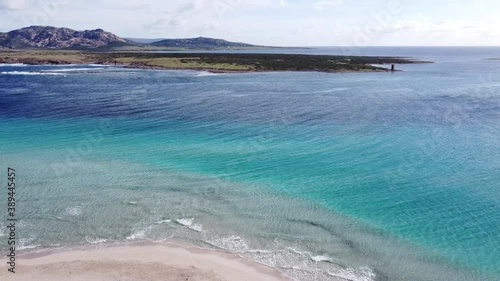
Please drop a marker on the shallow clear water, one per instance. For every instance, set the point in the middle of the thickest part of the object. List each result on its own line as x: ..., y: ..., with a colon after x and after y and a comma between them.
x: 373, y: 176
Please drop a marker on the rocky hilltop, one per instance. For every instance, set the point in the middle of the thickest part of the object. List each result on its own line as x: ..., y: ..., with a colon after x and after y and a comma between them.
x: 58, y: 38
x: 48, y: 37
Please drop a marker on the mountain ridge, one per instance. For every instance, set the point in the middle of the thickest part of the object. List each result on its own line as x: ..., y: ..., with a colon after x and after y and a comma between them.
x: 49, y: 37
x: 58, y: 38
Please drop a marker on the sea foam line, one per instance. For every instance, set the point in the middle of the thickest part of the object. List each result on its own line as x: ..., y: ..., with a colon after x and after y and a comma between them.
x: 12, y: 64
x: 76, y: 69
x: 30, y: 73
x: 139, y: 233
x: 189, y: 224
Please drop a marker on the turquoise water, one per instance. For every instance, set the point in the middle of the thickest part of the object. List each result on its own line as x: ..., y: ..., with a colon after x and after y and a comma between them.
x: 323, y: 176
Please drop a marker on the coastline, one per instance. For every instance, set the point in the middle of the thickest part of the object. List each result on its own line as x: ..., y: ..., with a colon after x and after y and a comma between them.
x: 151, y: 261
x: 210, y: 62
x: 83, y: 212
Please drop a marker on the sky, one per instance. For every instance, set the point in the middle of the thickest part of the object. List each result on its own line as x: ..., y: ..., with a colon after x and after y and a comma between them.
x: 358, y: 23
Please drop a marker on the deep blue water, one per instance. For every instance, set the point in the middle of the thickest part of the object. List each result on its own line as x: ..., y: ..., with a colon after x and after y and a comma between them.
x: 363, y: 176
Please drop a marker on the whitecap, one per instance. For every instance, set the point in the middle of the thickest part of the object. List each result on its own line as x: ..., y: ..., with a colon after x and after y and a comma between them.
x: 25, y: 243
x: 96, y: 240
x: 93, y: 64
x: 185, y: 222
x: 77, y: 69
x: 163, y: 221
x: 363, y: 274
x: 73, y: 211
x: 12, y: 64
x: 139, y: 233
x: 30, y: 73
x: 233, y: 244
x: 322, y: 258
x: 206, y: 73
x: 189, y: 224
x: 27, y: 247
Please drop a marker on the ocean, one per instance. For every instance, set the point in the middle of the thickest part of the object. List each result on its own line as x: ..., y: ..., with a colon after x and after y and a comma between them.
x: 347, y: 176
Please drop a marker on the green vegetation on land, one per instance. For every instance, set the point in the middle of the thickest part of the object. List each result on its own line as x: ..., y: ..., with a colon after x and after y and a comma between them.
x: 214, y: 62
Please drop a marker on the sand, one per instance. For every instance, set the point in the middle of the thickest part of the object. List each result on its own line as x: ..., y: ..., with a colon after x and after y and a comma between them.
x: 144, y: 262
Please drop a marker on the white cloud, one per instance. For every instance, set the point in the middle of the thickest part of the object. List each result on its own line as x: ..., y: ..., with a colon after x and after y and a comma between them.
x: 191, y: 6
x: 327, y: 4
x: 429, y: 33
x: 266, y: 22
x: 12, y: 4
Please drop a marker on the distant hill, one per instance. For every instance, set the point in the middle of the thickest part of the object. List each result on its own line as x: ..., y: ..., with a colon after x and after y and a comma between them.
x: 48, y: 37
x: 59, y: 38
x: 145, y: 40
x: 200, y: 43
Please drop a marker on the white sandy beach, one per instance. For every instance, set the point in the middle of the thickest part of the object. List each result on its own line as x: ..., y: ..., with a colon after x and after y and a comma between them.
x: 152, y: 262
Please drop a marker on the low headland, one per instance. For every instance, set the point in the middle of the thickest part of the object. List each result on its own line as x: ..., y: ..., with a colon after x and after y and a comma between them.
x: 213, y: 62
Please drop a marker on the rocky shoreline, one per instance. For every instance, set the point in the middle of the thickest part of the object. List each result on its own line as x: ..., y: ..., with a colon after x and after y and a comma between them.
x: 211, y: 62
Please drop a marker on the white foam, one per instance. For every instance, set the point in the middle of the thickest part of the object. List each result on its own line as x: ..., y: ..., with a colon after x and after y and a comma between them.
x: 260, y: 251
x: 363, y: 274
x: 233, y: 243
x: 162, y: 222
x: 96, y: 240
x: 295, y: 263
x: 292, y: 249
x: 206, y: 73
x: 12, y: 64
x: 185, y: 222
x: 321, y: 258
x: 27, y: 247
x: 31, y: 73
x: 25, y: 243
x: 189, y: 224
x: 139, y: 233
x: 76, y: 69
x: 302, y: 265
x: 197, y: 228
x: 73, y: 211
x: 93, y: 64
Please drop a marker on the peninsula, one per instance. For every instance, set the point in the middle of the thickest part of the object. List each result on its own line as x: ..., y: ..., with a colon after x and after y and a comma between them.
x: 37, y: 45
x: 212, y: 62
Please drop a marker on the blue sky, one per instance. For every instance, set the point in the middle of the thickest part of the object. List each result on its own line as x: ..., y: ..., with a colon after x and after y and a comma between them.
x: 274, y: 22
